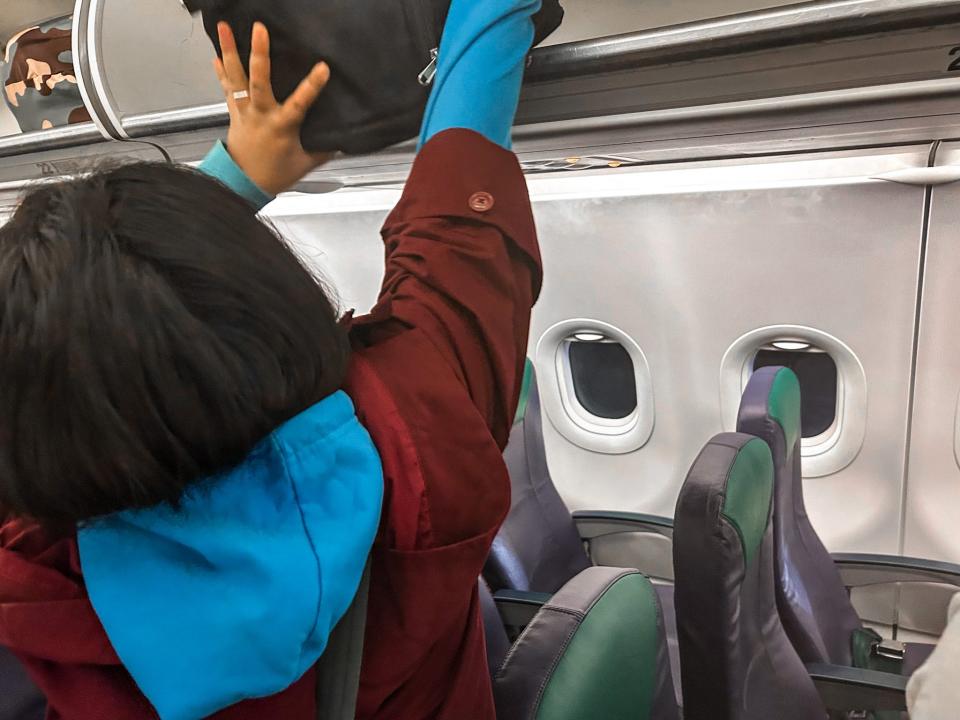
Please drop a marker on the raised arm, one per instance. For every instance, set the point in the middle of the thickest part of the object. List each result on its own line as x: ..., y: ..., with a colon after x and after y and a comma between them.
x: 462, y: 261
x: 463, y: 265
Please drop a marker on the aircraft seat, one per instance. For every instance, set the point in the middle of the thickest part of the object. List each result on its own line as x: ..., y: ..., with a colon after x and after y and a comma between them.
x: 736, y: 660
x: 597, y: 648
x: 538, y: 549
x: 812, y: 594
x: 541, y: 545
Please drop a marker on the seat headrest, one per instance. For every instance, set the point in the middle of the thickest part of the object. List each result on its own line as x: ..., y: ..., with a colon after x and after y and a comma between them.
x: 592, y: 651
x: 736, y: 660
x: 731, y: 483
x: 771, y: 402
x: 749, y: 493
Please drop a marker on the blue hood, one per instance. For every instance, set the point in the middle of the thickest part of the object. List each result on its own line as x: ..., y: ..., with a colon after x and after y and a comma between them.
x: 233, y: 595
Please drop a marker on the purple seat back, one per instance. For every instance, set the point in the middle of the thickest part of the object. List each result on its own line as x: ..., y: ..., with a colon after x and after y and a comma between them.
x: 813, y: 602
x: 538, y: 548
x: 736, y: 660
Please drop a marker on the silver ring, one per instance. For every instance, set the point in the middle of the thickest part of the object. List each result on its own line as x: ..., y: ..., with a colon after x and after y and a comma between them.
x: 241, y: 95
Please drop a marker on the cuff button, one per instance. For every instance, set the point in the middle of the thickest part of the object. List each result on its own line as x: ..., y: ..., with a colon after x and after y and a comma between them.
x: 481, y: 202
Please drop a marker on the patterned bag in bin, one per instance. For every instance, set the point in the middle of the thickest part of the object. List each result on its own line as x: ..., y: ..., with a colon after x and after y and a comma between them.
x: 39, y: 83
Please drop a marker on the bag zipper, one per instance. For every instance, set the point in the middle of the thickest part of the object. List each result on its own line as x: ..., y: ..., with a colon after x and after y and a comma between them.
x: 427, y: 75
x: 427, y: 26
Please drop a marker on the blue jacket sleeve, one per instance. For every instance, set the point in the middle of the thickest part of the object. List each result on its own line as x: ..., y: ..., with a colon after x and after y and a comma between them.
x: 219, y: 165
x: 480, y: 68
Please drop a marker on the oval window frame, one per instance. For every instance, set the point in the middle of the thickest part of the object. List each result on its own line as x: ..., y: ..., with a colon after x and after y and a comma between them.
x: 559, y: 399
x: 836, y: 448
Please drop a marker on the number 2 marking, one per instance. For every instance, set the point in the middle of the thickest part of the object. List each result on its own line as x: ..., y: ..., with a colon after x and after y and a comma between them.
x: 955, y: 65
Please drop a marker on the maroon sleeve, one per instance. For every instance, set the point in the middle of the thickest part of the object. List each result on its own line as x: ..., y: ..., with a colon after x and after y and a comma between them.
x: 463, y: 268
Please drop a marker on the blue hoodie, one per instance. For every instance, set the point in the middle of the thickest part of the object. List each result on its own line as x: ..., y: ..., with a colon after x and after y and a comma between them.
x: 233, y: 594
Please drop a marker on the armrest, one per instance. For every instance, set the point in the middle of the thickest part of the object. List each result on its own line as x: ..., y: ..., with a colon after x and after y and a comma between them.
x: 845, y: 688
x: 864, y: 570
x: 517, y: 608
x: 594, y: 524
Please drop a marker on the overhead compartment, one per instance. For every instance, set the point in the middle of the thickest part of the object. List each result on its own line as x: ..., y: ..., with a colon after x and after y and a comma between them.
x: 682, y: 83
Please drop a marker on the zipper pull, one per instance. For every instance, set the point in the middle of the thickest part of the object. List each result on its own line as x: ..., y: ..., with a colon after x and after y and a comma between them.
x: 427, y: 75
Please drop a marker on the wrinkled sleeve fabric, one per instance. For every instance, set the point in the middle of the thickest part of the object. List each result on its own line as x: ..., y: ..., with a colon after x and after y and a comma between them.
x: 480, y: 68
x: 463, y: 268
x: 933, y: 692
x: 220, y: 166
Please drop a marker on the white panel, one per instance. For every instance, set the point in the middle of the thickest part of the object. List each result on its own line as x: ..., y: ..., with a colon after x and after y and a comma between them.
x: 688, y: 259
x: 685, y: 259
x: 933, y: 496
x: 344, y: 247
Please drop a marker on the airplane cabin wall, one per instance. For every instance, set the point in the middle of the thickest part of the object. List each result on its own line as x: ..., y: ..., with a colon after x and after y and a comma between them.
x: 685, y: 259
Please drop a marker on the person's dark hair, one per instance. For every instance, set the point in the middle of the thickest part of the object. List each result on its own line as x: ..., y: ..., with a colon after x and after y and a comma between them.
x: 152, y: 331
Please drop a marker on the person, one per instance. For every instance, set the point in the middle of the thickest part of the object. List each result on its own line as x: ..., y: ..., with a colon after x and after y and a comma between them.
x: 932, y: 693
x: 197, y: 454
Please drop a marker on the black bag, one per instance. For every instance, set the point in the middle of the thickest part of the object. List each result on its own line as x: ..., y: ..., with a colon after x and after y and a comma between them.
x: 381, y: 55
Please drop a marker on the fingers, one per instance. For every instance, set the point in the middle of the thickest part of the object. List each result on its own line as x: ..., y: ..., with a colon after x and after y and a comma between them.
x: 261, y: 88
x: 221, y: 73
x: 236, y: 76
x: 295, y: 109
x: 225, y: 84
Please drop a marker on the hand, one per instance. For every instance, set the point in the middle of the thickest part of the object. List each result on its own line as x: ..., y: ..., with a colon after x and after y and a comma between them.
x: 264, y: 136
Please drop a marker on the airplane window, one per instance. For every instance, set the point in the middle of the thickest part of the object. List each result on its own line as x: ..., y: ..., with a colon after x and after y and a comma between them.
x: 817, y: 372
x: 603, y: 377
